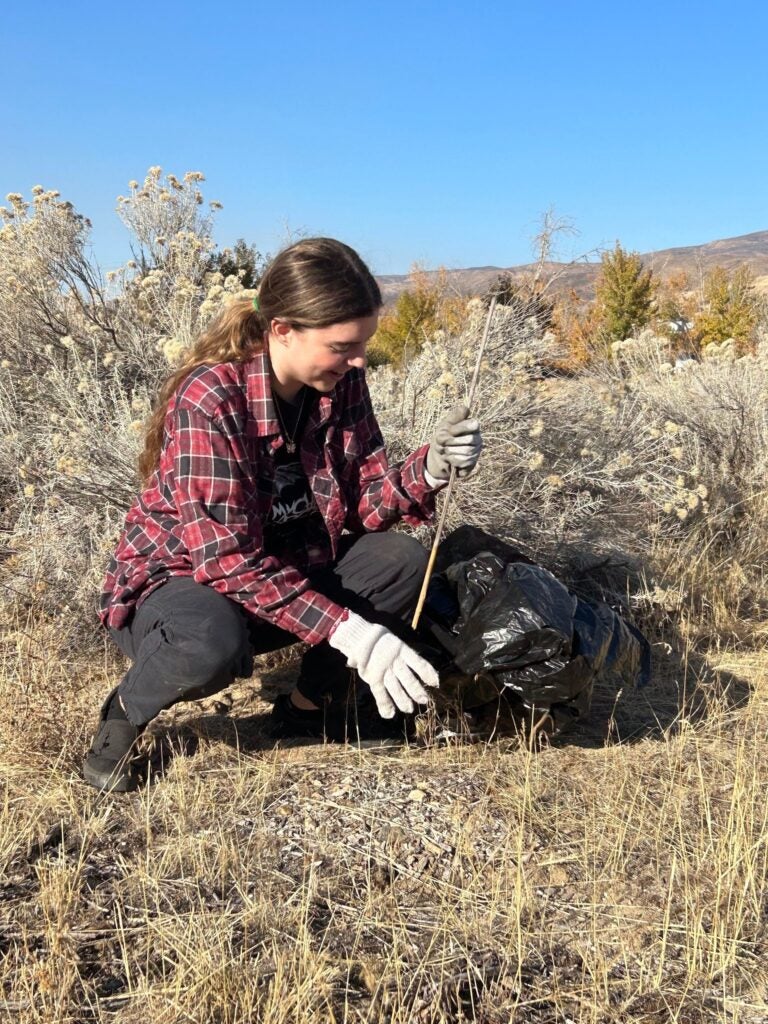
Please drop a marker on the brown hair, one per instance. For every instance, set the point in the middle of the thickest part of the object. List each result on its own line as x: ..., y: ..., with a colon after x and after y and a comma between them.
x: 313, y: 283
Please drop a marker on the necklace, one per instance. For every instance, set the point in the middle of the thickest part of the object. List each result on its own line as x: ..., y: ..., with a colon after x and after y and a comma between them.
x: 290, y: 439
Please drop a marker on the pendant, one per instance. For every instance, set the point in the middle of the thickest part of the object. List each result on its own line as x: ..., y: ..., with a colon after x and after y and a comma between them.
x: 291, y: 447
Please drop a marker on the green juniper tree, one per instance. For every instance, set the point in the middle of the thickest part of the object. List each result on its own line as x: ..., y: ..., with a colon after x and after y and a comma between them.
x: 625, y: 294
x: 731, y: 308
x: 404, y: 330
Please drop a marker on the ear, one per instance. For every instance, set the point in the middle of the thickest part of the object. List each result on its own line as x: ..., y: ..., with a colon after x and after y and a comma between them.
x: 280, y: 330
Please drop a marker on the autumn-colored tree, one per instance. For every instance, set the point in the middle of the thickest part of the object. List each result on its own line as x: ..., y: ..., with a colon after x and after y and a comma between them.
x: 624, y: 294
x: 730, y: 308
x: 677, y: 305
x: 576, y: 324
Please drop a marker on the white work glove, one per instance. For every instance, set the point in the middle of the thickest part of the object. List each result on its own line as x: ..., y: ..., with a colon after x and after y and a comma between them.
x: 456, y: 442
x: 392, y: 669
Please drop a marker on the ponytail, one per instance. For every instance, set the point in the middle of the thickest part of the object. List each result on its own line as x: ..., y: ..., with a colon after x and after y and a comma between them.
x: 236, y: 335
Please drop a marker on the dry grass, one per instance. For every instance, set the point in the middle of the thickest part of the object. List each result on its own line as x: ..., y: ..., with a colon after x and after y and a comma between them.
x: 619, y: 875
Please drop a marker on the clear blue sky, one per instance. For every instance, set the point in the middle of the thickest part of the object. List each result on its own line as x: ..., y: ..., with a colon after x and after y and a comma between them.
x: 426, y: 131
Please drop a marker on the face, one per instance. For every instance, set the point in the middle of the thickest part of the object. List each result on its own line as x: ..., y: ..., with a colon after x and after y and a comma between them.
x: 317, y: 356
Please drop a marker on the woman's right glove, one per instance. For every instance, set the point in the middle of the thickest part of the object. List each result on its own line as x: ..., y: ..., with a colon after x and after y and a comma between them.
x: 457, y: 442
x: 392, y: 669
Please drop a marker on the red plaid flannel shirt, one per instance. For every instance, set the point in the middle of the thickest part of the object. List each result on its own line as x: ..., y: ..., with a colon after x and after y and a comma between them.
x: 202, y: 513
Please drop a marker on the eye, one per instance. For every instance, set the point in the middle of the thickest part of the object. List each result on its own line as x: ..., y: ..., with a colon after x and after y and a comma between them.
x: 341, y: 349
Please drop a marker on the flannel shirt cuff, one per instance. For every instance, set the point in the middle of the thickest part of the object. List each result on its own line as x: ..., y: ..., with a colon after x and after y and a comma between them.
x: 436, y: 483
x: 311, y: 617
x: 414, y: 478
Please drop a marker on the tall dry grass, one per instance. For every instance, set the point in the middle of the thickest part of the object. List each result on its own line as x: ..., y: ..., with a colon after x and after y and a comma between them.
x: 617, y: 877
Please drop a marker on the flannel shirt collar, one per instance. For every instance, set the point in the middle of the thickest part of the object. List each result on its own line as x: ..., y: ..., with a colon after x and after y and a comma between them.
x: 262, y: 407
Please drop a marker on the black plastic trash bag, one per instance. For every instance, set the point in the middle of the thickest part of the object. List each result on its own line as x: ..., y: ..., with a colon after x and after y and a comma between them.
x: 518, y: 623
x: 511, y: 616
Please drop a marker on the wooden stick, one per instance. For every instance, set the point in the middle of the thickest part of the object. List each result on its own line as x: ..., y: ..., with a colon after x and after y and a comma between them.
x: 452, y: 477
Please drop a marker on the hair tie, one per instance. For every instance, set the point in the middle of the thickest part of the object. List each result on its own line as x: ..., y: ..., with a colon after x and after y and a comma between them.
x: 256, y: 303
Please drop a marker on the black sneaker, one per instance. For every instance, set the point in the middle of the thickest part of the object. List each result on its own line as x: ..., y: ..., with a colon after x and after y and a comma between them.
x: 107, y: 765
x: 357, y: 724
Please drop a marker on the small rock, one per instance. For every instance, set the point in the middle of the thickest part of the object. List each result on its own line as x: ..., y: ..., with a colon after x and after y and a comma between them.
x: 417, y: 795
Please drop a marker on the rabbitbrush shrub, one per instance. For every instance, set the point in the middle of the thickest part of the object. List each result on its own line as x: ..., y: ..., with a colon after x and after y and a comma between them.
x: 634, y: 473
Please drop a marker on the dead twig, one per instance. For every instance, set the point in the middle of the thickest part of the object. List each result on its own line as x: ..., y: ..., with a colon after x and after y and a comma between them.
x: 452, y: 477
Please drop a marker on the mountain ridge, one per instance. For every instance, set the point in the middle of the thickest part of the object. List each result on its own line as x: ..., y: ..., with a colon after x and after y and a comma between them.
x: 580, y: 276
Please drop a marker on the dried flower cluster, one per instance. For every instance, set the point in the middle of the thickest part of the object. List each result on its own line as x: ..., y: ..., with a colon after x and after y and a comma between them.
x: 81, y: 356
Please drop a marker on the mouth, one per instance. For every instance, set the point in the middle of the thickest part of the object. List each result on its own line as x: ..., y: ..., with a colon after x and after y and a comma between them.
x: 328, y: 380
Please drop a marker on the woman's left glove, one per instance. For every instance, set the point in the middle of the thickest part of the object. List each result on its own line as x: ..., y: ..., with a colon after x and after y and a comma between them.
x: 456, y: 442
x: 396, y: 674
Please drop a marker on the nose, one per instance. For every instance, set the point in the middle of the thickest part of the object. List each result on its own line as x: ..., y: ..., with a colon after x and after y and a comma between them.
x: 358, y: 360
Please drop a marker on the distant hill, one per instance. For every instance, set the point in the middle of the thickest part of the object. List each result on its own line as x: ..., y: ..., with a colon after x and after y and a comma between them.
x: 692, y: 259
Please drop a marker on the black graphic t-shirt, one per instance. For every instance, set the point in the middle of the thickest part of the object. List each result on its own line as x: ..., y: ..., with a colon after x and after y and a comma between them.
x: 291, y: 496
x: 293, y: 503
